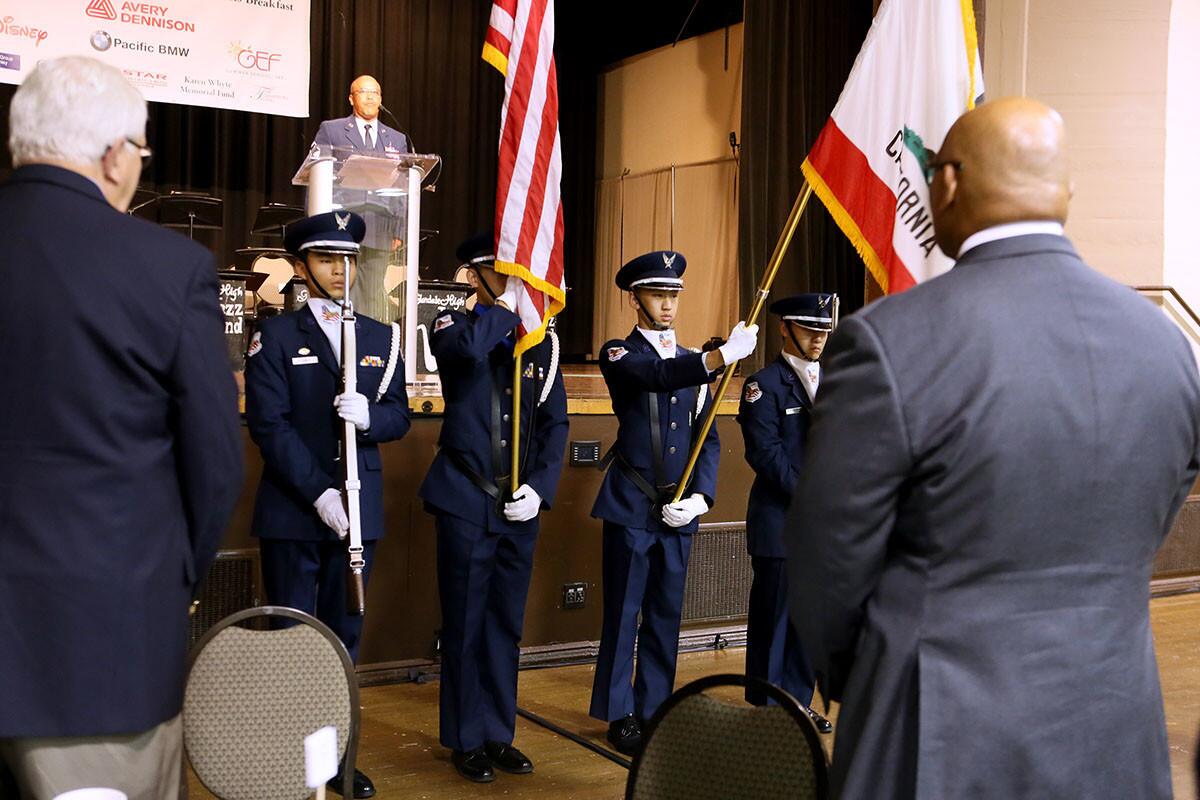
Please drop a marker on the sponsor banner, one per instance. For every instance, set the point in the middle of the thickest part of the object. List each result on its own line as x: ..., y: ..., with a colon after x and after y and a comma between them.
x: 249, y: 55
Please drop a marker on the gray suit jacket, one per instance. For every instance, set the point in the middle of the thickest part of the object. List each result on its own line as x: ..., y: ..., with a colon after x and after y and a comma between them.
x: 994, y: 458
x: 343, y: 133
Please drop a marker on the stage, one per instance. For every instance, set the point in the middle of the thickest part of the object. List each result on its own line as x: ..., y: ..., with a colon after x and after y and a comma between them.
x: 400, y: 751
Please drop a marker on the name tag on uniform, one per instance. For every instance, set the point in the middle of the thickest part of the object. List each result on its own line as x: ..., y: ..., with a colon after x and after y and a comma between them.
x: 796, y: 410
x: 304, y: 360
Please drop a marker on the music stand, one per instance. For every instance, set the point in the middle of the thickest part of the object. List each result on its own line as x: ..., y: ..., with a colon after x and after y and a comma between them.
x: 253, y: 280
x: 243, y: 259
x: 144, y: 205
x: 191, y: 210
x: 273, y: 218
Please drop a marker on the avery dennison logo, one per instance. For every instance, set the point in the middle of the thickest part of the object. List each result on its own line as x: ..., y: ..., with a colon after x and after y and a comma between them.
x: 147, y: 15
x: 101, y: 9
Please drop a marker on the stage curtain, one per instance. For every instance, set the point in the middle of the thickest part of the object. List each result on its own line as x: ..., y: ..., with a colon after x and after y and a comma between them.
x: 634, y: 216
x: 798, y: 54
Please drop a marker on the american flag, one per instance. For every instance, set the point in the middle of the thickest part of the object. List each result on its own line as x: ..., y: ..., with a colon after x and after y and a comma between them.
x: 529, y: 220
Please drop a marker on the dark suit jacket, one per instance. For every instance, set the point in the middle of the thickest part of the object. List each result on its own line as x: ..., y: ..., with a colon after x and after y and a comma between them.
x: 290, y: 414
x: 473, y: 357
x: 994, y: 458
x: 120, y: 457
x: 774, y: 415
x: 632, y: 369
x: 343, y: 132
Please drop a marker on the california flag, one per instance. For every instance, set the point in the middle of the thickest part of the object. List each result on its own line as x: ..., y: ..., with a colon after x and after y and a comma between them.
x: 917, y: 72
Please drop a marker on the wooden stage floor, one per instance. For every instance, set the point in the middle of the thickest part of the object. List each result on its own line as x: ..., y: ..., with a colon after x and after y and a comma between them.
x: 399, y: 745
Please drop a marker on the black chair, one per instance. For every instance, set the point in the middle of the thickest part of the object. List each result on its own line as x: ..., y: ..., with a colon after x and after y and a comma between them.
x: 699, y: 745
x: 253, y: 695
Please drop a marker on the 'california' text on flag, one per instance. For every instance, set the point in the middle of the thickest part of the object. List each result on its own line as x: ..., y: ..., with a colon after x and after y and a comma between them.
x: 917, y: 72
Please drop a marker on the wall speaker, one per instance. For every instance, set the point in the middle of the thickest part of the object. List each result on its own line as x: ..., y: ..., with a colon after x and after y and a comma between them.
x: 719, y: 574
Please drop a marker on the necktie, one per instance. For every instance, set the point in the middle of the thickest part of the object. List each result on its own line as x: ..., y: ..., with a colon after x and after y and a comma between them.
x: 367, y: 137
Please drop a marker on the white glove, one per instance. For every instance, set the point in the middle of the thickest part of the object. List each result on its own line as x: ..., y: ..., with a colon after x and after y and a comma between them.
x: 741, y: 343
x: 525, y: 505
x: 676, y: 515
x: 331, y: 511
x: 512, y: 289
x: 352, y: 407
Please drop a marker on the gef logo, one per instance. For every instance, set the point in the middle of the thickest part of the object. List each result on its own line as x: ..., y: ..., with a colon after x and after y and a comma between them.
x: 101, y: 9
x: 260, y: 60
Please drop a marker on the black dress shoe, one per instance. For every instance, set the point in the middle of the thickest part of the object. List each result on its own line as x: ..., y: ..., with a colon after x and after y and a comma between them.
x: 823, y: 725
x: 473, y: 765
x: 507, y: 758
x: 625, y: 734
x: 362, y: 785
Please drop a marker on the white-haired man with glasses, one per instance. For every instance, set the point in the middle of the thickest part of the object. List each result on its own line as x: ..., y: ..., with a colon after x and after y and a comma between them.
x: 120, y: 455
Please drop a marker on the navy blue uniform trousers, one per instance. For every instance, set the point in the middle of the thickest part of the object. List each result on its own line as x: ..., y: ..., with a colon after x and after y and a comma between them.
x: 644, y: 571
x: 483, y: 579
x: 773, y: 650
x: 311, y: 577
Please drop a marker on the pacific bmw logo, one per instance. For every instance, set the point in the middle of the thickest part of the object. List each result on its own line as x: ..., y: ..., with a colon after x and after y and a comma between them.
x: 101, y: 40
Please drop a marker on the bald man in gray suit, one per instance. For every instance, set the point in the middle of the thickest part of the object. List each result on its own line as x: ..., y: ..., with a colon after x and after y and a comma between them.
x: 996, y: 456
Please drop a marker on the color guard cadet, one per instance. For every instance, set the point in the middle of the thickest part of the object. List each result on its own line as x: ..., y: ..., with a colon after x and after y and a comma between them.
x: 774, y: 414
x: 486, y: 533
x: 295, y: 413
x: 659, y: 394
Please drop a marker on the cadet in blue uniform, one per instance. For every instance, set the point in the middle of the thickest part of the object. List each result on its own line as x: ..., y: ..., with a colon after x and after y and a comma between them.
x: 774, y: 414
x: 486, y: 534
x: 294, y: 412
x: 659, y: 394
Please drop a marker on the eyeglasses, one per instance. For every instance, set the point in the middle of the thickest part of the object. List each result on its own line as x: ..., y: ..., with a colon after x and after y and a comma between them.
x: 930, y: 166
x: 142, y: 150
x: 367, y: 92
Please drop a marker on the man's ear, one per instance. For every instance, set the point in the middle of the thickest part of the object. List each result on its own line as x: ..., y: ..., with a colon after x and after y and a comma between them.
x: 473, y: 279
x: 950, y: 187
x: 300, y: 268
x: 110, y: 166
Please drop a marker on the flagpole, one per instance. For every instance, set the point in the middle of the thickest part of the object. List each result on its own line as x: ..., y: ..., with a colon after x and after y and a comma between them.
x: 516, y: 428
x: 760, y: 300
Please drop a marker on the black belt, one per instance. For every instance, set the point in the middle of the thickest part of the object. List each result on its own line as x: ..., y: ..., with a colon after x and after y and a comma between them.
x: 662, y: 492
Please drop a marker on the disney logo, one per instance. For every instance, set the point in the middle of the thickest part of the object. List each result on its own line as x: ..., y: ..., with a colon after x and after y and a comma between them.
x: 9, y: 26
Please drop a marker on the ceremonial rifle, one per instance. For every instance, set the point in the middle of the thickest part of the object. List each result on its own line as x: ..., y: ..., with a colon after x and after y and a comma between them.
x: 355, y: 594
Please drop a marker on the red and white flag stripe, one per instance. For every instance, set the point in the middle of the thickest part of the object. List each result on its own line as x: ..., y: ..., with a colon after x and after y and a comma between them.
x: 529, y: 221
x: 917, y: 72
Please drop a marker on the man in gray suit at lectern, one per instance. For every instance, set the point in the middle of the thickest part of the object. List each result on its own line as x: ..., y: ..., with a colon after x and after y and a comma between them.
x: 364, y: 133
x: 996, y: 456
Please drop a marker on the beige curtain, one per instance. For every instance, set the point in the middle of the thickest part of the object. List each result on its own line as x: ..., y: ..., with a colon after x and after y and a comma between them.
x: 634, y: 216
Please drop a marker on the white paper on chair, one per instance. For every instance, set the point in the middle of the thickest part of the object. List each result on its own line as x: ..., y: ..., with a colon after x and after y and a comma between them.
x: 320, y: 757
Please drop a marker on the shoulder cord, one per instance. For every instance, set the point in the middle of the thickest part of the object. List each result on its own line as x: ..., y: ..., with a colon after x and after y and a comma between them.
x: 393, y: 358
x: 552, y: 369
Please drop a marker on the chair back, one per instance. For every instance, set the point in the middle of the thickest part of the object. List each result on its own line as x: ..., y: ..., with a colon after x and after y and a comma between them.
x: 253, y: 695
x: 699, y: 745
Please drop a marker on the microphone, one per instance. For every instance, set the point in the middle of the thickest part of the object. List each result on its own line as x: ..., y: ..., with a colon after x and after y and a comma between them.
x: 412, y: 146
x: 733, y: 143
